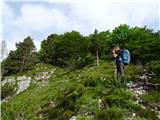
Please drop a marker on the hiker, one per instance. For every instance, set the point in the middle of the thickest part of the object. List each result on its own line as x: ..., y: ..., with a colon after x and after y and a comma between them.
x: 122, y: 58
x: 116, y: 52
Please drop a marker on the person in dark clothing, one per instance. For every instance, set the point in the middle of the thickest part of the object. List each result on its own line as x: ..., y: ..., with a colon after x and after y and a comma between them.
x: 116, y: 52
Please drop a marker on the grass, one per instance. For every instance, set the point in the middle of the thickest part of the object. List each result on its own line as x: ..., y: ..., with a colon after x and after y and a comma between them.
x: 73, y: 93
x: 153, y: 97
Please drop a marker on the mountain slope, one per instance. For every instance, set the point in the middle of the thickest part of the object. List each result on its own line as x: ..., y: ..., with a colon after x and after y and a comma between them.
x: 85, y: 94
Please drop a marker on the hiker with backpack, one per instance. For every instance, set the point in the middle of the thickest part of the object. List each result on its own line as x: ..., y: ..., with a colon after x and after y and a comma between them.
x: 121, y: 58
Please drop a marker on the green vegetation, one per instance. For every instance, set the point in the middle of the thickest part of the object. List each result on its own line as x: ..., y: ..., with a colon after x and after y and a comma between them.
x: 152, y: 97
x: 21, y: 59
x: 70, y: 93
x: 8, y: 89
x: 81, y: 78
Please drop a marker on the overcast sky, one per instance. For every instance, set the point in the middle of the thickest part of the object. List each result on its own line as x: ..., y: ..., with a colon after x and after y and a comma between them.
x: 38, y: 19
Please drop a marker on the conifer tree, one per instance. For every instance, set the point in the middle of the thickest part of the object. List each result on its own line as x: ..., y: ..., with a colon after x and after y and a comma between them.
x: 21, y: 59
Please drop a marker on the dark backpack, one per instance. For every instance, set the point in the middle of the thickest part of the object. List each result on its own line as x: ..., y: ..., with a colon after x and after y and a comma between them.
x: 125, y: 56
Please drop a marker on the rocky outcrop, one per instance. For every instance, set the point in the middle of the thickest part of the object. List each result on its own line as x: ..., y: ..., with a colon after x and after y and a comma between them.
x: 41, y: 78
x: 73, y: 118
x: 21, y: 83
x: 139, y: 89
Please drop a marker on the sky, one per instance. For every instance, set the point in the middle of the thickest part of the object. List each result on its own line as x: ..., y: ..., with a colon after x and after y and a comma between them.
x: 40, y: 18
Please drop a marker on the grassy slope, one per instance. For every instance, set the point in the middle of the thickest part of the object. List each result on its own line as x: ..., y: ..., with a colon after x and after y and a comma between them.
x: 66, y: 95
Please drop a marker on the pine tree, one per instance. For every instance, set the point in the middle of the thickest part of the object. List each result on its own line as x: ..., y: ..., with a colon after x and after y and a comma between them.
x: 21, y: 59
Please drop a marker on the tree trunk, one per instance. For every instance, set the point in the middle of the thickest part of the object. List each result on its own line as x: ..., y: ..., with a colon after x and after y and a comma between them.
x: 97, y: 58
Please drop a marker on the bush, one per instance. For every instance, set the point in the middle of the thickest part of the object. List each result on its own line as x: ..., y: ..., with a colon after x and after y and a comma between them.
x: 153, y: 97
x: 120, y: 98
x: 112, y: 113
x: 65, y: 106
x: 84, y: 118
x: 15, y: 111
x: 154, y: 66
x: 68, y: 114
x: 113, y: 83
x: 140, y: 118
x: 132, y: 70
x: 88, y: 59
x: 8, y: 89
x: 155, y: 80
x: 92, y: 81
x: 148, y: 114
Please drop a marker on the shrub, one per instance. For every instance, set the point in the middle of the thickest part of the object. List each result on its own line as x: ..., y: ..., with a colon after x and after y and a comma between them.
x: 68, y: 114
x: 120, y: 98
x: 140, y: 118
x: 15, y: 111
x: 112, y: 113
x: 154, y: 66
x: 148, y: 114
x: 84, y: 118
x: 113, y: 83
x: 155, y: 80
x: 8, y: 89
x: 132, y: 70
x: 153, y: 96
x: 65, y: 106
x: 92, y: 81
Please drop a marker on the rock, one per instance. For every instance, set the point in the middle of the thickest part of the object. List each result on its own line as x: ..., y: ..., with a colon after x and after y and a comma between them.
x: 143, y: 77
x: 21, y: 78
x: 129, y: 84
x: 143, y: 107
x: 6, y: 99
x: 23, y: 83
x: 138, y: 92
x: 52, y: 104
x: 100, y: 104
x: 41, y: 115
x: 133, y: 114
x: 8, y: 80
x: 158, y: 115
x: 73, y: 118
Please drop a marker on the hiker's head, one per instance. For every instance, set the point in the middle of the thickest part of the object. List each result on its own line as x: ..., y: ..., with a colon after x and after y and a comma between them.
x: 117, y: 48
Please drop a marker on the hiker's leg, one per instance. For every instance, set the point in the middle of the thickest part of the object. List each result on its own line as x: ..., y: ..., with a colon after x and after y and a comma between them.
x: 121, y: 69
x: 118, y: 69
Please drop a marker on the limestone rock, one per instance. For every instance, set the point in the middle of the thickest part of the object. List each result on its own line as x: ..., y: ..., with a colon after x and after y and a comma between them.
x: 73, y: 118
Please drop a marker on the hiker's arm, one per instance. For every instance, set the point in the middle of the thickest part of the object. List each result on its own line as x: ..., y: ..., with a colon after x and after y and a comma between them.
x: 114, y: 54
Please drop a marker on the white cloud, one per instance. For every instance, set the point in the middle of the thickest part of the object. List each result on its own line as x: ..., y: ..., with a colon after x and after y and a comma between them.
x: 38, y: 17
x: 39, y: 20
x: 0, y: 21
x: 105, y: 15
x: 33, y: 19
